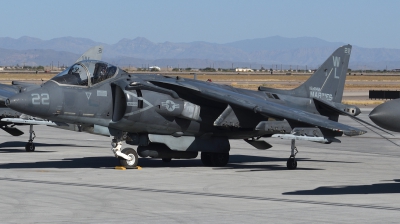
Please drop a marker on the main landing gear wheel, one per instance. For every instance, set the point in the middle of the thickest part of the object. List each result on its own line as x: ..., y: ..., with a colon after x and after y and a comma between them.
x: 218, y: 159
x: 30, y: 147
x: 206, y: 158
x: 129, y: 164
x: 291, y: 164
x: 166, y: 160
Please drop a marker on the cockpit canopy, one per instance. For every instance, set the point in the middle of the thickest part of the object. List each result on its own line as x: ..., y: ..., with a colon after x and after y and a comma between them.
x: 86, y: 73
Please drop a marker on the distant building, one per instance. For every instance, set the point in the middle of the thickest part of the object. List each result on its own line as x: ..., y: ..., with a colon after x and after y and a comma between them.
x: 155, y: 68
x: 244, y: 70
x: 1, y: 68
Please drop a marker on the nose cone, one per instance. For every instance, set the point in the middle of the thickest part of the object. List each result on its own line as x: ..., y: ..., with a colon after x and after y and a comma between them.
x: 387, y: 115
x: 34, y: 103
x: 18, y: 102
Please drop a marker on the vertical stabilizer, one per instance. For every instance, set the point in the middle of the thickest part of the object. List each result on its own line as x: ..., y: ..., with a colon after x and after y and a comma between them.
x: 94, y: 53
x: 327, y: 82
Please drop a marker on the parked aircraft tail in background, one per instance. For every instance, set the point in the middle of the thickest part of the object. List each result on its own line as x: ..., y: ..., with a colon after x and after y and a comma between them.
x: 94, y: 53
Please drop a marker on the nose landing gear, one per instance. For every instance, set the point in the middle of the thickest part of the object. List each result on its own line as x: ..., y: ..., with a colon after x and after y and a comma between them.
x: 128, y: 157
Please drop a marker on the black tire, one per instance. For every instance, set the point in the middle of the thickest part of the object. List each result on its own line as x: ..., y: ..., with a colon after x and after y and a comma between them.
x: 220, y: 159
x: 166, y: 160
x: 291, y: 164
x: 206, y: 158
x: 30, y: 147
x: 131, y: 153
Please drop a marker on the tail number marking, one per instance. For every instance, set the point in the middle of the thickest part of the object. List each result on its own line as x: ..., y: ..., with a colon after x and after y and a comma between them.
x: 38, y: 99
x: 336, y: 63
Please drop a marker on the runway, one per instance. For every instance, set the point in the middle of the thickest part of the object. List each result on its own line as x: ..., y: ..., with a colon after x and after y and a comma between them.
x: 71, y: 178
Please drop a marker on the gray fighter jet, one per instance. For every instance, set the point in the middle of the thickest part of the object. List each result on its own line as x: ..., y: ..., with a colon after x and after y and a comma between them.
x: 386, y: 115
x: 10, y: 118
x: 172, y: 117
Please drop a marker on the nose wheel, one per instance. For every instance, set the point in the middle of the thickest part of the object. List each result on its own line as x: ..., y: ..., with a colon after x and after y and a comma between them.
x: 30, y: 147
x: 291, y: 163
x: 127, y: 157
x: 133, y: 158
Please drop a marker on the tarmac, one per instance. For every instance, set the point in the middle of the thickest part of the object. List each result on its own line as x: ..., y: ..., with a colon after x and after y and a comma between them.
x: 71, y: 178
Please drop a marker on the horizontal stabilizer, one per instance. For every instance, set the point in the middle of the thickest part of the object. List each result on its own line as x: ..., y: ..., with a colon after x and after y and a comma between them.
x: 331, y: 106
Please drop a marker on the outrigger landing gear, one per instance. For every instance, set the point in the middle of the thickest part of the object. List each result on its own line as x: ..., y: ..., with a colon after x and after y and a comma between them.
x: 128, y: 157
x: 30, y: 147
x: 291, y: 164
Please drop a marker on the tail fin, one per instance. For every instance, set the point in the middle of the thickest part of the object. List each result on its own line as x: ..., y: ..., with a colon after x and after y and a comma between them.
x: 94, y: 53
x: 328, y: 81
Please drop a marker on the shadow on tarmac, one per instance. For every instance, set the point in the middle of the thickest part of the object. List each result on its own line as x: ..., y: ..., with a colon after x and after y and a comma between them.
x: 380, y: 188
x: 85, y: 162
x: 19, y: 146
x: 239, y: 162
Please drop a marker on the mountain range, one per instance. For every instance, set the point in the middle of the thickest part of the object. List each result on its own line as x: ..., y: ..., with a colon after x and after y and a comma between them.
x: 141, y: 52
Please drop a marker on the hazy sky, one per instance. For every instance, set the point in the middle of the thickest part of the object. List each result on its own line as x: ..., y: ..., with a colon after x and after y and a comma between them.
x: 362, y: 23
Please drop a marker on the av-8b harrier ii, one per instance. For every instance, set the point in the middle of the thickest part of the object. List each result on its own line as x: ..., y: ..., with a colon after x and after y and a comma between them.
x: 174, y: 117
x: 11, y: 118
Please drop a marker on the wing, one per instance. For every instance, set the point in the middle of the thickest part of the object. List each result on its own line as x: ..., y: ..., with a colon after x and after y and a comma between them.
x: 228, y: 95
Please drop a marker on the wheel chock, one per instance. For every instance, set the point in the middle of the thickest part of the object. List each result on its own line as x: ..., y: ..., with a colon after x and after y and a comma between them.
x: 120, y: 168
x: 123, y: 168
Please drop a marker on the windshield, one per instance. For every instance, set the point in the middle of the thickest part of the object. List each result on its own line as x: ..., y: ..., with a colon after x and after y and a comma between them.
x: 102, y: 71
x: 74, y: 75
x: 78, y: 73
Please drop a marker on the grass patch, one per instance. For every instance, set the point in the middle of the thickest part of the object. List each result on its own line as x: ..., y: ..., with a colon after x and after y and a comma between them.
x: 363, y: 102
